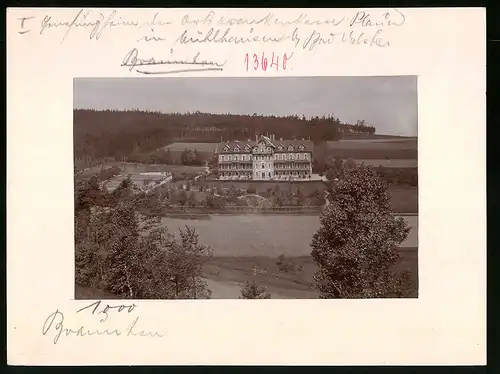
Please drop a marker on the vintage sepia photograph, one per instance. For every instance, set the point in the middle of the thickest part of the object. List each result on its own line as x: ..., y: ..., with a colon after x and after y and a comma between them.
x: 246, y: 188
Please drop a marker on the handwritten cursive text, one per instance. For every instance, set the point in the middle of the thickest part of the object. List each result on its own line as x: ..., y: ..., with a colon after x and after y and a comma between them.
x: 132, y: 61
x: 54, y: 324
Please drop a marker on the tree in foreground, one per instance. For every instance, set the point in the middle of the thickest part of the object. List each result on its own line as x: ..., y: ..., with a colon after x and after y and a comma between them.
x: 355, y: 247
x: 251, y: 290
x: 123, y: 252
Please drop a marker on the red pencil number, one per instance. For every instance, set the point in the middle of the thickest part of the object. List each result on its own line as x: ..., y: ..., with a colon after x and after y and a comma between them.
x: 263, y: 62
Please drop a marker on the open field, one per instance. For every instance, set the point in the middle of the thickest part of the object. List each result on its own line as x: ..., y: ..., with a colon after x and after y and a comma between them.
x: 363, y: 149
x: 374, y: 144
x: 371, y: 137
x: 382, y: 138
x: 263, y: 235
x: 207, y: 147
x: 205, y: 150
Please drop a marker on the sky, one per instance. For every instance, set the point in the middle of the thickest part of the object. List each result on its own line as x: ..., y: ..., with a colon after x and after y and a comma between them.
x: 388, y: 103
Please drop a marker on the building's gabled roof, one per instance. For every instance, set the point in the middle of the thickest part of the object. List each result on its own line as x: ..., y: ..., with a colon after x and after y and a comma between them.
x: 299, y: 145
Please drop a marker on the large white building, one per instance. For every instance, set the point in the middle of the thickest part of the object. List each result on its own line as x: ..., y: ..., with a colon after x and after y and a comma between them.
x: 265, y: 158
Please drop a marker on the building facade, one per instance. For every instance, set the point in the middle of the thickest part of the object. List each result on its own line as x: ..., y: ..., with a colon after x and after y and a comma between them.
x: 265, y: 158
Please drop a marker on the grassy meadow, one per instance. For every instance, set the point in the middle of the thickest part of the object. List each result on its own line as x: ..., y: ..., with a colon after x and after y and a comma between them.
x: 263, y: 235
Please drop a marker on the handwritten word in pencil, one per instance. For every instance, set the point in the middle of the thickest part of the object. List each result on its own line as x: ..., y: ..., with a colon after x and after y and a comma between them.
x: 264, y: 62
x: 55, y: 326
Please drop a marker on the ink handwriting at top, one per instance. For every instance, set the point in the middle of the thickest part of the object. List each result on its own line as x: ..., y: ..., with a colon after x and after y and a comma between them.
x: 97, y: 23
x: 216, y: 27
x: 132, y: 61
x: 23, y: 26
x: 365, y: 19
x: 354, y: 37
x: 104, y: 311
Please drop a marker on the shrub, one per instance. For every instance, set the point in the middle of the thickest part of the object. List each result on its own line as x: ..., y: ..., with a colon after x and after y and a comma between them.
x: 284, y: 265
x: 251, y: 290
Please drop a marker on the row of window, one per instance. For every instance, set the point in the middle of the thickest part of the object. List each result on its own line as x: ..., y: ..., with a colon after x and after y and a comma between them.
x: 234, y: 167
x: 292, y: 166
x: 257, y: 173
x: 277, y: 156
x: 264, y: 149
x: 263, y: 166
x: 298, y: 156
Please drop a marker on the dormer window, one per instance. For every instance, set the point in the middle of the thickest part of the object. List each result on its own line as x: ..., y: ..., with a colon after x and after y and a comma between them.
x: 226, y: 149
x: 280, y: 148
x: 290, y: 147
x: 301, y: 147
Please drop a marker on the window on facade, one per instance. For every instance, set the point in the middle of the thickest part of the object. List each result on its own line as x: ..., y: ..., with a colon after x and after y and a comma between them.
x: 297, y: 156
x: 290, y: 156
x: 262, y: 166
x: 236, y: 157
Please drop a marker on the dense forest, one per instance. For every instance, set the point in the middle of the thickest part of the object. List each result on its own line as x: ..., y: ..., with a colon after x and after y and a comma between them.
x: 119, y: 134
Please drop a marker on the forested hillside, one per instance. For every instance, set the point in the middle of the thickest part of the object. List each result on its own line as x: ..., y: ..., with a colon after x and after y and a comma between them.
x: 118, y: 134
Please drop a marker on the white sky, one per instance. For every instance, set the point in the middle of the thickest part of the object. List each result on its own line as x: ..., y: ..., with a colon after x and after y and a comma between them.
x: 388, y: 103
